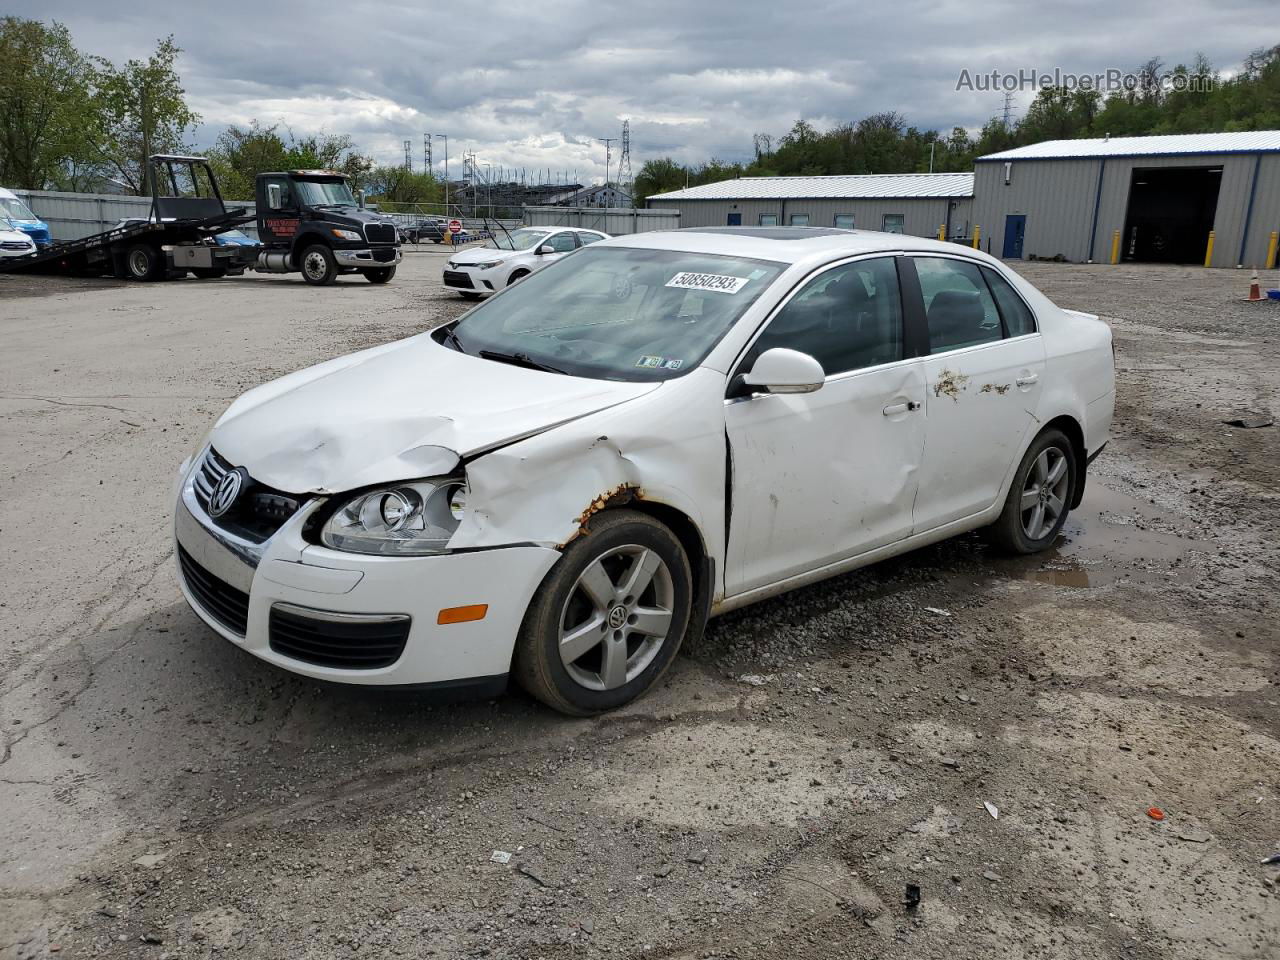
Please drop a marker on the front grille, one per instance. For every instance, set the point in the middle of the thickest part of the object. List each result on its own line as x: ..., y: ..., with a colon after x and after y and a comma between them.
x: 456, y: 278
x: 384, y: 254
x: 346, y: 644
x: 14, y: 245
x: 380, y: 232
x: 220, y: 600
x: 258, y: 512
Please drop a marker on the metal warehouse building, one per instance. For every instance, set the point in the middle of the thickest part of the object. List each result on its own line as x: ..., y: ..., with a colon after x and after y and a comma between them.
x: 914, y: 203
x: 1164, y: 194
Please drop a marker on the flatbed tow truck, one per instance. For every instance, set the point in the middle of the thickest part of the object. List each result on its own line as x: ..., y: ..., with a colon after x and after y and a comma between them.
x: 307, y: 222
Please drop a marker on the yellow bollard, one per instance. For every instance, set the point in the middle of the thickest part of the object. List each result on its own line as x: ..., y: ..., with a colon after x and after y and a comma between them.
x: 942, y: 232
x: 1208, y: 251
x: 1115, y: 246
x: 976, y: 233
x: 1271, y: 250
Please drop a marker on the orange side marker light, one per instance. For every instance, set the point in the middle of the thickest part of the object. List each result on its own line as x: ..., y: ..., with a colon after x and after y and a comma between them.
x: 475, y: 611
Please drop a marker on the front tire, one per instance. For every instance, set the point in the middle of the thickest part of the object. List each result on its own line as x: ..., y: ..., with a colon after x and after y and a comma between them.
x: 319, y: 267
x: 1039, y: 496
x: 517, y: 276
x: 381, y: 275
x: 609, y: 618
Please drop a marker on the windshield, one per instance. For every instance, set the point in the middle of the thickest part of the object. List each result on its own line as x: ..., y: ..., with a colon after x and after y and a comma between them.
x: 519, y: 239
x: 619, y: 313
x: 14, y: 208
x: 319, y: 193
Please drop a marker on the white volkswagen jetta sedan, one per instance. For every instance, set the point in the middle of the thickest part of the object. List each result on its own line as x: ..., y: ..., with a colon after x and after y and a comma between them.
x: 509, y: 257
x: 566, y: 483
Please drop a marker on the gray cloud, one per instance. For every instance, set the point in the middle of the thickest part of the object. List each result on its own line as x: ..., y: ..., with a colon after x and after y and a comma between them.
x: 532, y: 84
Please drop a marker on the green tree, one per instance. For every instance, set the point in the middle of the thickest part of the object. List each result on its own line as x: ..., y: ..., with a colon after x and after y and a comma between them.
x: 659, y: 175
x: 45, y: 124
x: 391, y: 186
x: 241, y: 153
x: 142, y: 109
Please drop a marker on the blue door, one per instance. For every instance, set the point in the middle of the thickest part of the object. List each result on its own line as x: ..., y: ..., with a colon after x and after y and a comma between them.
x: 735, y: 220
x: 1015, y: 228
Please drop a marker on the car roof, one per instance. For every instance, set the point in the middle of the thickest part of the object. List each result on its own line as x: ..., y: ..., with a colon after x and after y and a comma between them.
x: 789, y: 244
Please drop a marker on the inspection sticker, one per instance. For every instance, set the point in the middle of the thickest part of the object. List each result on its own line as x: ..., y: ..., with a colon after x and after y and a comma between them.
x: 665, y: 363
x: 715, y: 282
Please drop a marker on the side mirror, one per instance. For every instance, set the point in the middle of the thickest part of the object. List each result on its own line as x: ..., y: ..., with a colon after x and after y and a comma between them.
x: 545, y: 249
x: 780, y: 370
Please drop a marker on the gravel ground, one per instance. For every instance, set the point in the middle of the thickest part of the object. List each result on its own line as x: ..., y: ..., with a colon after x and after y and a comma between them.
x: 819, y: 760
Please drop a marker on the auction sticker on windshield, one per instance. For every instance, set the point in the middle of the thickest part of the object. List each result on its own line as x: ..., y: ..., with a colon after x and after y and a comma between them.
x: 716, y: 282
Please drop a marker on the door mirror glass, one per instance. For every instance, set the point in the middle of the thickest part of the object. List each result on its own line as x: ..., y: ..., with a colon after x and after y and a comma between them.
x: 545, y: 249
x: 781, y: 370
x: 273, y: 196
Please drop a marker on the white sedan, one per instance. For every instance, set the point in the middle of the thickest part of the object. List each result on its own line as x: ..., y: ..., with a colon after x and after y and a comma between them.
x: 509, y: 257
x: 566, y: 483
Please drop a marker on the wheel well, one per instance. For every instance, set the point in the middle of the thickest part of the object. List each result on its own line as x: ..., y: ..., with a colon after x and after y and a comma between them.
x: 1075, y: 434
x: 700, y: 563
x: 304, y: 240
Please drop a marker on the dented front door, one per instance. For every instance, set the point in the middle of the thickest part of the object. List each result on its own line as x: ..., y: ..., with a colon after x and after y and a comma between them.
x: 823, y: 476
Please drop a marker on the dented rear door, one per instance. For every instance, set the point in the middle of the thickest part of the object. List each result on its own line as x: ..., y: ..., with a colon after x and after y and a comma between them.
x: 983, y: 392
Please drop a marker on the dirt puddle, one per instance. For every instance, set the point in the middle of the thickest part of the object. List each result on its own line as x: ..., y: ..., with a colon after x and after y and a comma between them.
x: 1113, y: 538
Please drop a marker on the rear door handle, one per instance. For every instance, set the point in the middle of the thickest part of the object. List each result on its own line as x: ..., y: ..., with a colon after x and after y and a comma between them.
x: 1028, y: 380
x: 906, y: 406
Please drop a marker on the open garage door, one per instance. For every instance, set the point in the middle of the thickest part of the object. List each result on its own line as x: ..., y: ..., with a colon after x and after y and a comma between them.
x: 1170, y: 213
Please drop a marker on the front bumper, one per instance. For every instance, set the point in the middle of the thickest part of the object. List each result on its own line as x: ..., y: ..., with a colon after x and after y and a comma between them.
x: 296, y: 578
x: 368, y: 257
x: 466, y: 279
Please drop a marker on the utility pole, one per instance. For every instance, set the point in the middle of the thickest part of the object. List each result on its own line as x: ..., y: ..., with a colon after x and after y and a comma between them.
x: 446, y: 172
x: 608, y: 142
x: 932, y: 144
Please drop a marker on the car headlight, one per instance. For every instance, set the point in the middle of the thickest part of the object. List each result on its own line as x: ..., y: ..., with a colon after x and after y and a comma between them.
x: 346, y: 234
x: 407, y: 519
x: 489, y: 264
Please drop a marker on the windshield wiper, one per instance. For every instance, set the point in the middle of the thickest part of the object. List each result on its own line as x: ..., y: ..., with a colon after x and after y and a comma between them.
x: 520, y: 360
x: 452, y: 338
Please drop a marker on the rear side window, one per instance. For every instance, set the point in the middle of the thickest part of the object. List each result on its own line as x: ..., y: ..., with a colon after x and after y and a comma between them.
x: 958, y: 305
x: 1017, y: 316
x: 586, y: 238
x: 847, y: 318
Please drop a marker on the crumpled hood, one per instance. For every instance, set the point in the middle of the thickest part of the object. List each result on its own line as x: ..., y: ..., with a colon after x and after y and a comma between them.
x: 400, y: 411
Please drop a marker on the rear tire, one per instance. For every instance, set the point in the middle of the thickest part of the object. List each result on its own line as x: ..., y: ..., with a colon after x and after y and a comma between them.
x: 609, y: 619
x: 1039, y: 497
x: 319, y: 267
x: 381, y: 275
x: 208, y: 273
x: 144, y: 262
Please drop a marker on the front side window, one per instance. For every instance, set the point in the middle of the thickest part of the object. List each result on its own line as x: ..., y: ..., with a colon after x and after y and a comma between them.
x: 618, y: 313
x: 280, y: 195
x: 1017, y: 316
x: 893, y: 222
x: 563, y: 243
x: 959, y: 308
x: 847, y: 318
x: 768, y: 219
x: 15, y: 209
x: 844, y: 221
x: 799, y: 219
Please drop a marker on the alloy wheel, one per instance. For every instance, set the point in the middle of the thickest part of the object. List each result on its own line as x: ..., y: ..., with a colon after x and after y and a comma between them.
x: 1044, y: 495
x: 315, y: 266
x: 616, y: 618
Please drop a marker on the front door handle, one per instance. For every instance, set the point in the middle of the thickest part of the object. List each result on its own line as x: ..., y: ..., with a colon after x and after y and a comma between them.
x: 1028, y: 380
x: 906, y: 406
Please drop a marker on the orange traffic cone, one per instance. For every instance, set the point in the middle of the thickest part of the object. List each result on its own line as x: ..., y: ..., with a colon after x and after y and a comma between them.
x: 1255, y: 292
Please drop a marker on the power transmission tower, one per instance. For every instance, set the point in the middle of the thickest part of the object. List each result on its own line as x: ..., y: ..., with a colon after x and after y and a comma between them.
x: 624, y: 165
x: 408, y: 155
x: 427, y: 163
x: 1008, y: 109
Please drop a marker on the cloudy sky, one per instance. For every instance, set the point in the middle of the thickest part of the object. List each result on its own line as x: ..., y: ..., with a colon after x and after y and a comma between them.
x: 533, y: 83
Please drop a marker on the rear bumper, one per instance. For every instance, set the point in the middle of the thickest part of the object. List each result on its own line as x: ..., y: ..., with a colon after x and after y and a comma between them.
x: 288, y: 602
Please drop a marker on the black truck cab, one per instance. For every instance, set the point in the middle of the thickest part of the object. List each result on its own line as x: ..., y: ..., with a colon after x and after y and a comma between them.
x: 308, y: 220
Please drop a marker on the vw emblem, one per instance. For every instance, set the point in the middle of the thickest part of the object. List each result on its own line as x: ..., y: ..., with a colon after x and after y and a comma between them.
x: 617, y: 616
x: 225, y: 493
